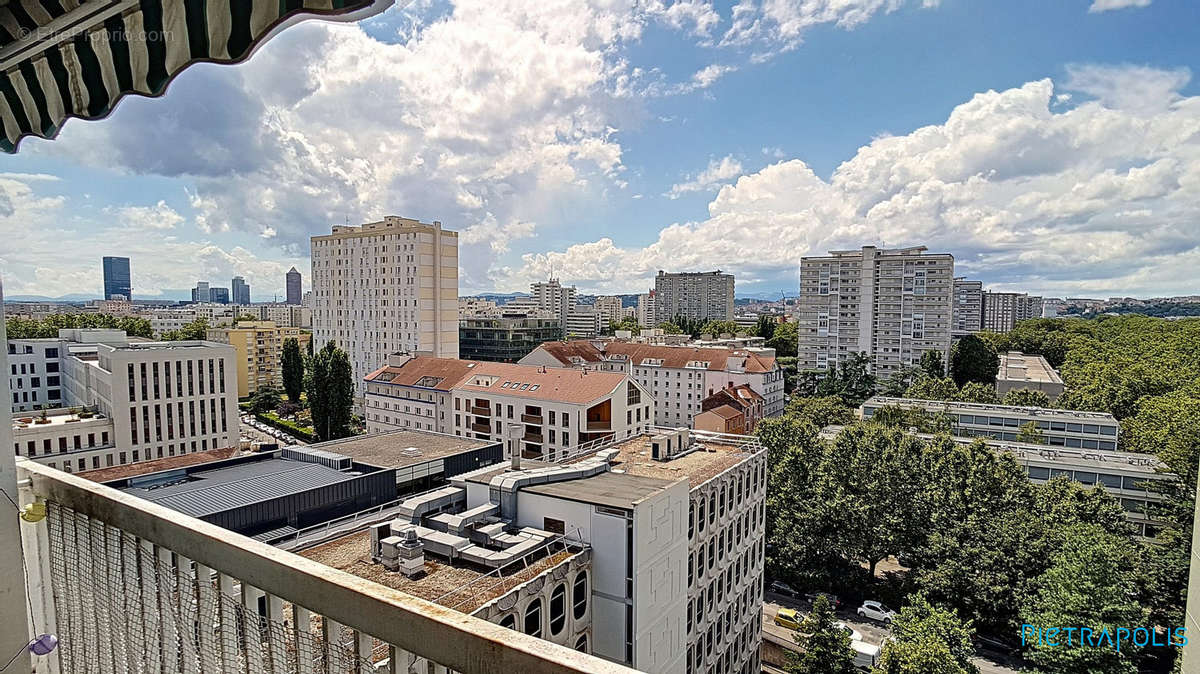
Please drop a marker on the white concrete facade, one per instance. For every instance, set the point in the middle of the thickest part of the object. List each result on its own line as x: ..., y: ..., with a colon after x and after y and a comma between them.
x: 385, y: 287
x: 704, y: 296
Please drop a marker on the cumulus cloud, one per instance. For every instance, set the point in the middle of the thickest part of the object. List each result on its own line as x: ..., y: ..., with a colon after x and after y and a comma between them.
x: 1103, y: 196
x: 158, y: 216
x: 779, y: 25
x: 1108, y: 5
x: 717, y: 173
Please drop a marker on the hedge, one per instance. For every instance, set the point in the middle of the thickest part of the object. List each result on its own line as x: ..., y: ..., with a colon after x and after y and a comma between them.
x: 302, y: 432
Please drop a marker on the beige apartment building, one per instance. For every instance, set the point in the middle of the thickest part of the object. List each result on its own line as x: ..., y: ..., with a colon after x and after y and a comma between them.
x: 968, y: 307
x: 892, y: 304
x: 1001, y: 311
x: 385, y: 287
x: 259, y: 348
x: 704, y: 296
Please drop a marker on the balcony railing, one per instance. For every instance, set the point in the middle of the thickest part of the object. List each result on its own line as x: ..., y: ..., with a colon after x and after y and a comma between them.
x: 599, y: 426
x: 481, y: 410
x: 481, y: 428
x: 535, y: 438
x: 128, y: 585
x: 531, y: 419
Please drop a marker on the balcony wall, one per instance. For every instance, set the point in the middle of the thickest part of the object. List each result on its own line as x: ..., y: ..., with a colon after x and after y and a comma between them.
x: 130, y: 586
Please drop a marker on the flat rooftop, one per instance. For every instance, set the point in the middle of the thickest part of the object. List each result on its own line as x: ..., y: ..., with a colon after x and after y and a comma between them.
x: 880, y: 401
x: 462, y: 588
x: 1016, y: 366
x: 615, y: 490
x: 157, y: 465
x: 207, y: 492
x: 393, y: 449
x: 698, y: 466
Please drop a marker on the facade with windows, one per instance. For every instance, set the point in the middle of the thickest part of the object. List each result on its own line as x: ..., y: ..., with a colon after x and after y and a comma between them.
x: 116, y: 279
x: 1059, y: 428
x: 504, y: 339
x: 893, y: 305
x: 34, y: 379
x: 1002, y: 311
x: 702, y: 296
x: 259, y: 348
x: 968, y: 307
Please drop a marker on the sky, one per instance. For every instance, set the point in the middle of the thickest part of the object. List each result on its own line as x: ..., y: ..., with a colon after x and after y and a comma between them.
x: 1052, y: 147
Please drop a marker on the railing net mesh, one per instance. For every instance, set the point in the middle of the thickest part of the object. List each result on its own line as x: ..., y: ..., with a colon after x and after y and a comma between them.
x: 123, y: 604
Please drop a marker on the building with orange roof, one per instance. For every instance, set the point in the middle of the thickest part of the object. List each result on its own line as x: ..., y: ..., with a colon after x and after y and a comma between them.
x: 543, y: 412
x: 679, y: 377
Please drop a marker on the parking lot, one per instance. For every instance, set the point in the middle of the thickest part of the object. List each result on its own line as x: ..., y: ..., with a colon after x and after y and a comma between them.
x: 873, y: 632
x: 254, y: 430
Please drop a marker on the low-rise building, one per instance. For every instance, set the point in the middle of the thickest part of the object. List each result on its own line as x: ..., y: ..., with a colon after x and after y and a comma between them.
x: 733, y: 409
x: 679, y: 377
x: 259, y: 347
x: 504, y: 338
x: 536, y: 411
x: 1059, y: 428
x: 1027, y: 371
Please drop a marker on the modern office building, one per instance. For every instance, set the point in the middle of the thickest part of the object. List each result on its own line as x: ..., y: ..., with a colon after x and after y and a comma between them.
x: 385, y: 287
x: 554, y: 297
x: 678, y: 377
x: 666, y: 572
x: 1060, y: 428
x: 702, y: 296
x: 968, y: 307
x: 504, y: 338
x: 1002, y: 311
x: 239, y: 290
x: 201, y: 293
x: 1027, y: 371
x: 218, y: 295
x: 293, y: 286
x: 116, y: 279
x: 583, y: 322
x: 139, y: 400
x: 35, y: 366
x: 259, y: 348
x: 891, y: 304
x: 541, y: 413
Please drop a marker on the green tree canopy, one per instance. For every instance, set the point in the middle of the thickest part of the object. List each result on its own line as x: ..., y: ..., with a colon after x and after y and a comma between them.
x: 973, y: 359
x: 1031, y: 434
x: 330, y: 388
x: 928, y: 639
x: 932, y: 364
x: 974, y: 392
x: 197, y: 329
x: 784, y: 339
x: 826, y: 645
x: 765, y: 327
x: 40, y: 328
x: 717, y: 328
x: 1026, y: 397
x: 629, y: 323
x: 265, y: 399
x: 291, y: 363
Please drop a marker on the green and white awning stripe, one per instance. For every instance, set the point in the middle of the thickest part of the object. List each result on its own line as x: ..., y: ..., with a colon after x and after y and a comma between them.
x: 67, y: 58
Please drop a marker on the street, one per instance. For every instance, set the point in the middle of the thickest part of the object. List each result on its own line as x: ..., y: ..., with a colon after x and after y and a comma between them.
x: 873, y: 632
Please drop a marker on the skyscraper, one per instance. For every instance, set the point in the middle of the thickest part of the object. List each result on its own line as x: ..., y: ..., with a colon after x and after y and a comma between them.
x: 704, y: 296
x: 116, y: 278
x: 293, y: 286
x: 239, y: 290
x: 384, y: 287
x: 201, y: 293
x: 892, y: 305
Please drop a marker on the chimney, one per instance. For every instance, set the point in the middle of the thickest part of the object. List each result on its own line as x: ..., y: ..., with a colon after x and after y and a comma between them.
x: 398, y: 359
x: 515, y: 431
x: 410, y: 554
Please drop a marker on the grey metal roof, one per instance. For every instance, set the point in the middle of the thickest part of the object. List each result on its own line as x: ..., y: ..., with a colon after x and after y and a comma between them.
x: 208, y: 492
x: 616, y: 490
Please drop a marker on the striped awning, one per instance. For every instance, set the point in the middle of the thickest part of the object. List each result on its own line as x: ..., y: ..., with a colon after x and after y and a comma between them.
x: 77, y: 58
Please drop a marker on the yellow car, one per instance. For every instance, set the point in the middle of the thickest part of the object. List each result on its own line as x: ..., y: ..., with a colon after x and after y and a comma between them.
x: 786, y: 617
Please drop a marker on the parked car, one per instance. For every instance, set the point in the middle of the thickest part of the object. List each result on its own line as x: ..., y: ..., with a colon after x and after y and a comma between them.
x: 854, y: 634
x: 780, y: 587
x: 786, y: 617
x: 834, y: 600
x: 876, y: 611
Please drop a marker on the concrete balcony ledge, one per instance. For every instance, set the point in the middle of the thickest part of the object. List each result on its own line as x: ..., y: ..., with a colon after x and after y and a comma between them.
x: 411, y: 628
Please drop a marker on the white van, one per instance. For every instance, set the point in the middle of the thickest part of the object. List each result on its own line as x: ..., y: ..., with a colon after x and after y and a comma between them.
x: 866, y: 655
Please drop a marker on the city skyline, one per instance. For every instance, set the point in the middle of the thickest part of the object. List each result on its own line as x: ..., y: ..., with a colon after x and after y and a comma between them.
x: 605, y: 207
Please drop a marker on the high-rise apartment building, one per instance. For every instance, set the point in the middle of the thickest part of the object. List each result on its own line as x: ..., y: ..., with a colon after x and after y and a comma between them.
x: 201, y: 293
x: 609, y: 309
x: 645, y: 310
x: 554, y: 297
x: 1001, y: 311
x: 259, y: 347
x: 385, y: 287
x: 293, y: 286
x: 116, y: 279
x: 239, y: 290
x: 704, y: 296
x: 968, y: 307
x: 891, y: 304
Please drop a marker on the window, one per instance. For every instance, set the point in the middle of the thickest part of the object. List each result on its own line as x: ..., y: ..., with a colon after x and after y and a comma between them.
x: 509, y: 622
x: 554, y: 526
x: 581, y: 643
x: 558, y: 609
x: 579, y: 595
x: 533, y: 618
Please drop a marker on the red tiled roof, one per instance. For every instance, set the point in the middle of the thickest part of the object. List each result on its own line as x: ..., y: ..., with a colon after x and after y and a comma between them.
x: 672, y: 356
x: 571, y: 386
x: 725, y: 412
x: 445, y: 372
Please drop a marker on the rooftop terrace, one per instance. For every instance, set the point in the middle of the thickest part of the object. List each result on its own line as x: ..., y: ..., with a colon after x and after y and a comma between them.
x: 713, y: 455
x: 394, y: 449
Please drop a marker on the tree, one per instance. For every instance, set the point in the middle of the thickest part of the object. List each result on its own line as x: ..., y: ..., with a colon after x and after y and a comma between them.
x: 330, y: 388
x: 1031, y: 434
x: 928, y: 639
x: 288, y: 409
x: 629, y: 323
x: 785, y: 339
x: 292, y: 365
x: 973, y: 359
x: 1089, y: 584
x: 245, y: 317
x: 23, y: 328
x: 933, y: 365
x: 928, y: 388
x: 670, y: 328
x: 1026, y: 397
x: 196, y: 330
x: 821, y: 412
x: 765, y: 327
x: 898, y: 383
x: 265, y: 399
x: 851, y: 380
x: 974, y: 392
x: 717, y: 328
x: 826, y: 645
